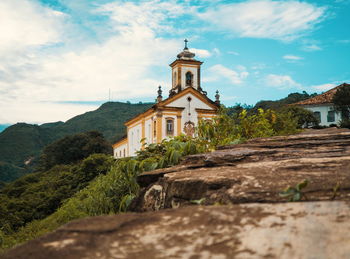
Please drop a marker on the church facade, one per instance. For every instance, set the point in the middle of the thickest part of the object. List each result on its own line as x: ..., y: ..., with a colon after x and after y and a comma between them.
x: 178, y: 114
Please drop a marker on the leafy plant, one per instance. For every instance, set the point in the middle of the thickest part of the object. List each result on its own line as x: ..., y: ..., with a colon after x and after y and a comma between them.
x: 294, y: 193
x: 198, y: 202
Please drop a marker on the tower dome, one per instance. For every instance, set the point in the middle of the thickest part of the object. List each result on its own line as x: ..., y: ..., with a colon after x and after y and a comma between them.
x: 186, y: 54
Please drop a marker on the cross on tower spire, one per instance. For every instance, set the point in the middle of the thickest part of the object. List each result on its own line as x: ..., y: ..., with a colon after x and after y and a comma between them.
x: 185, y: 44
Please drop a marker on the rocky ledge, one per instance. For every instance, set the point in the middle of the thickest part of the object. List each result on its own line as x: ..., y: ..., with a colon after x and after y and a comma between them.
x: 286, y: 230
x: 256, y: 171
x: 246, y: 217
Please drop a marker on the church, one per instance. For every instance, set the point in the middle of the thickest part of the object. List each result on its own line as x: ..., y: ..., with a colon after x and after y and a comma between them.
x: 178, y: 114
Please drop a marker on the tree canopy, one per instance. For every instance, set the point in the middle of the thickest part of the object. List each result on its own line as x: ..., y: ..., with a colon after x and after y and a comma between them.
x: 341, y: 101
x: 73, y: 148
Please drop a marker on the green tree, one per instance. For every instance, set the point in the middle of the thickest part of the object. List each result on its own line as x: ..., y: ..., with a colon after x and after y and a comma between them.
x: 341, y: 101
x: 71, y: 149
x: 303, y: 116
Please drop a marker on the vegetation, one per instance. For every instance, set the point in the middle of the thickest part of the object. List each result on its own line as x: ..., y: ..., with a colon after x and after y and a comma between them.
x: 21, y: 144
x: 341, y: 101
x: 295, y: 193
x: 290, y: 99
x: 225, y: 129
x: 9, y: 172
x: 37, y: 195
x: 303, y: 116
x: 71, y: 149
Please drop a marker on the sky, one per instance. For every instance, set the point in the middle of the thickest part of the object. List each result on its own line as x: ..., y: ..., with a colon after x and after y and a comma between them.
x: 61, y: 58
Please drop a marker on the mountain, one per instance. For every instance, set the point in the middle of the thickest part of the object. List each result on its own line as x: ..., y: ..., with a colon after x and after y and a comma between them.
x: 21, y: 144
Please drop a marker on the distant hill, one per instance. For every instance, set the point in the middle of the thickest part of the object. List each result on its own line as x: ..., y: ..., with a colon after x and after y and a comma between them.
x: 291, y: 98
x: 21, y: 144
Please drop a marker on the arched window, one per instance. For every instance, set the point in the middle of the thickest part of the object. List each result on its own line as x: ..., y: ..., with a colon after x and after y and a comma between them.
x: 120, y: 153
x: 124, y: 152
x: 189, y: 79
x: 169, y: 126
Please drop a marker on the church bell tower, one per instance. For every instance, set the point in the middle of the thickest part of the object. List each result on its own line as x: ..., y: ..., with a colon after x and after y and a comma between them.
x: 186, y: 71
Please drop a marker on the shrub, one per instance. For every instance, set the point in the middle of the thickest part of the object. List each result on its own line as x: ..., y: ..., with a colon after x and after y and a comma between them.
x: 304, y: 117
x: 345, y: 123
x: 225, y: 129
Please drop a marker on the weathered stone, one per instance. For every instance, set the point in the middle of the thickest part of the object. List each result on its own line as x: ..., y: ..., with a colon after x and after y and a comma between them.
x: 256, y: 171
x: 285, y: 230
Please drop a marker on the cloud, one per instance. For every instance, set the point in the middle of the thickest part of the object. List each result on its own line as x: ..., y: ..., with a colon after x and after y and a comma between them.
x: 40, y: 112
x: 279, y: 20
x: 323, y: 87
x: 149, y: 15
x: 201, y: 53
x: 311, y: 47
x: 217, y: 72
x: 26, y: 24
x: 344, y: 41
x: 131, y: 61
x: 292, y: 58
x: 233, y: 53
x: 281, y: 81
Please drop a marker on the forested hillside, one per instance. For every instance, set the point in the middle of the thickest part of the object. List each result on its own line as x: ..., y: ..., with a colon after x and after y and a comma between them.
x: 291, y: 98
x: 22, y: 143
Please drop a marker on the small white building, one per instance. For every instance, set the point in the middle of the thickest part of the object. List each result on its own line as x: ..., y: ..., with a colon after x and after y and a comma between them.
x: 322, y: 106
x: 178, y: 114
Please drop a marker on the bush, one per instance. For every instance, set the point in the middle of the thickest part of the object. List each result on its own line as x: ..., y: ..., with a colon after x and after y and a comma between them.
x: 304, y: 117
x: 345, y: 123
x: 225, y: 129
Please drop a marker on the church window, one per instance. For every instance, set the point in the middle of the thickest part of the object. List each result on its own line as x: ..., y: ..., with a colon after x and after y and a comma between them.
x: 124, y: 152
x: 120, y: 153
x: 170, y: 126
x: 155, y: 128
x: 189, y: 79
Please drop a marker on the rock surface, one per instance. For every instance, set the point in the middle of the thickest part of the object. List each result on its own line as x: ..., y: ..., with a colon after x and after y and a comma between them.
x: 249, y: 219
x: 286, y: 230
x: 256, y: 171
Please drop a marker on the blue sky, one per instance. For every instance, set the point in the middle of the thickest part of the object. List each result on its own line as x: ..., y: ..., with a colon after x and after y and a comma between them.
x: 60, y: 58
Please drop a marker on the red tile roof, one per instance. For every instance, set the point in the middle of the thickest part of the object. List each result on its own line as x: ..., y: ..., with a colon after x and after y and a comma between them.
x: 324, y: 98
